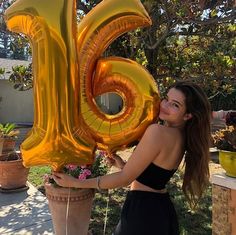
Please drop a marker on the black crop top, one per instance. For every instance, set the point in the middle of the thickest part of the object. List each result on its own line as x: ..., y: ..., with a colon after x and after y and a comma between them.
x: 155, y: 176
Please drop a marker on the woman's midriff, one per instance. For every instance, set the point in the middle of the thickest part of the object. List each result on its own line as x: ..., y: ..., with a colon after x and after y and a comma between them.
x: 138, y: 186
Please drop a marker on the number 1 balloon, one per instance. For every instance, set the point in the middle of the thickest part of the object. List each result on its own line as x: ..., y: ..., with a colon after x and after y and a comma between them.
x: 69, y: 73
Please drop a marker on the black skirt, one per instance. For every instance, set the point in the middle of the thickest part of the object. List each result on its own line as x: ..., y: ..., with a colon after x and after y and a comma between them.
x: 147, y: 213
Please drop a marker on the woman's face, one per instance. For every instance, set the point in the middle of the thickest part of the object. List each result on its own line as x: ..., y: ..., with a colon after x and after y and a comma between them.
x: 173, y: 108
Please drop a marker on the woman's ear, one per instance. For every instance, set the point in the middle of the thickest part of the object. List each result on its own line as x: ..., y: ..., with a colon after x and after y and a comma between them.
x: 187, y: 116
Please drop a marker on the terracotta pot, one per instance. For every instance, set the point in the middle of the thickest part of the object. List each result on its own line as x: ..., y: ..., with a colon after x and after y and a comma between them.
x: 79, y: 209
x: 13, y: 175
x: 228, y: 162
x: 7, y: 145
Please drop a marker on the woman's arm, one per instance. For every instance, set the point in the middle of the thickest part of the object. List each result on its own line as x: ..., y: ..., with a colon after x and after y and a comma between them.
x: 221, y: 114
x: 146, y: 151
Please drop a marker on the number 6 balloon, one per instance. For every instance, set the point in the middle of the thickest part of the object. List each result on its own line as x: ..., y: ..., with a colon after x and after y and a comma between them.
x: 69, y: 73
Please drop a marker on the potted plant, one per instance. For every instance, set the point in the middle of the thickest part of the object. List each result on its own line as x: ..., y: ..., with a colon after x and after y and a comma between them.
x: 8, y: 135
x: 225, y: 141
x: 21, y: 76
x: 13, y: 175
x: 71, y: 208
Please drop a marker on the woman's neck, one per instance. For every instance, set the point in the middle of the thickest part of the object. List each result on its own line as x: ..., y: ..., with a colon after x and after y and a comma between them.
x: 179, y: 126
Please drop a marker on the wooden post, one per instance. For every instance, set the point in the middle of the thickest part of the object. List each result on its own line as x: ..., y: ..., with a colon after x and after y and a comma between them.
x: 223, y: 205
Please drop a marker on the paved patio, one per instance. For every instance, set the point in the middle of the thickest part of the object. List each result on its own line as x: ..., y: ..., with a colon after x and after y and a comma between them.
x: 25, y: 213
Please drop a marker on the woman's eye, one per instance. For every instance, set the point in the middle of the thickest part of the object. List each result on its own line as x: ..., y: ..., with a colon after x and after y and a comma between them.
x: 175, y: 105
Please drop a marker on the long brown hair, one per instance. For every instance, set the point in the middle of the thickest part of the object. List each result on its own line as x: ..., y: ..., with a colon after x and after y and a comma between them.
x: 197, y: 131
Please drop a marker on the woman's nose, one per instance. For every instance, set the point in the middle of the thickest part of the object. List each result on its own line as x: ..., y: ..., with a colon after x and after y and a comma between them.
x: 165, y: 104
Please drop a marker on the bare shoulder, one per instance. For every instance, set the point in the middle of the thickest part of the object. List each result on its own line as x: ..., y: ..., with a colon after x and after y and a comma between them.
x: 162, y: 133
x: 156, y: 129
x: 153, y: 132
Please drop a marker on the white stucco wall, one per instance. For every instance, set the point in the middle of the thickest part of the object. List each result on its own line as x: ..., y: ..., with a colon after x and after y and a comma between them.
x: 110, y: 103
x: 15, y: 106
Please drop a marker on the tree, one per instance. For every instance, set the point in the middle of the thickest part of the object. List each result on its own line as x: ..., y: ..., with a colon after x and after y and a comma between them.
x: 188, y: 39
x: 192, y: 40
x: 12, y: 45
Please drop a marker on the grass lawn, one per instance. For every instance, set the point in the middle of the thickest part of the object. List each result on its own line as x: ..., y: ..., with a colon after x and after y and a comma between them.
x: 110, y: 202
x: 36, y: 174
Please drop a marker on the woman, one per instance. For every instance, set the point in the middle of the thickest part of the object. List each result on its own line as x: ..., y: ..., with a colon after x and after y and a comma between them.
x: 186, y: 133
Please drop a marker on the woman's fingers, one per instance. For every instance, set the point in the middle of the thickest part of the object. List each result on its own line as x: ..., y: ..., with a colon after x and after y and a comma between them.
x: 62, y: 179
x: 55, y: 178
x: 110, y: 161
x: 59, y: 178
x: 116, y: 157
x: 57, y: 174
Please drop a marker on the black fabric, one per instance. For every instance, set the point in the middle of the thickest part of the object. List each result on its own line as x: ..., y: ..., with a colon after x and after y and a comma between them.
x: 155, y: 176
x: 147, y: 213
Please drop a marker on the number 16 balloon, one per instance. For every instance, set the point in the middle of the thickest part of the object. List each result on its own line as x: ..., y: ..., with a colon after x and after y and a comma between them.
x: 69, y: 73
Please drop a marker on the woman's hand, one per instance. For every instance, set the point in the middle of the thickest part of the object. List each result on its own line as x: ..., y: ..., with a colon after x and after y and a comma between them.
x: 116, y: 161
x: 64, y: 180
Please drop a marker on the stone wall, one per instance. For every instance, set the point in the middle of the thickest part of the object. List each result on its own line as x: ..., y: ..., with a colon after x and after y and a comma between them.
x: 223, y: 205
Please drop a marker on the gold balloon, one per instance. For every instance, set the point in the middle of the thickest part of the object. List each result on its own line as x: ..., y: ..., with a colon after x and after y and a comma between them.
x: 140, y: 98
x: 68, y: 125
x: 127, y: 78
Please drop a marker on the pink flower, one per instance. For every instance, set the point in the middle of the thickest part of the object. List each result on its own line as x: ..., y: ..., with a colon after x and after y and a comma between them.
x: 83, y: 175
x: 102, y: 154
x: 71, y: 167
x: 46, y: 178
x: 87, y: 172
